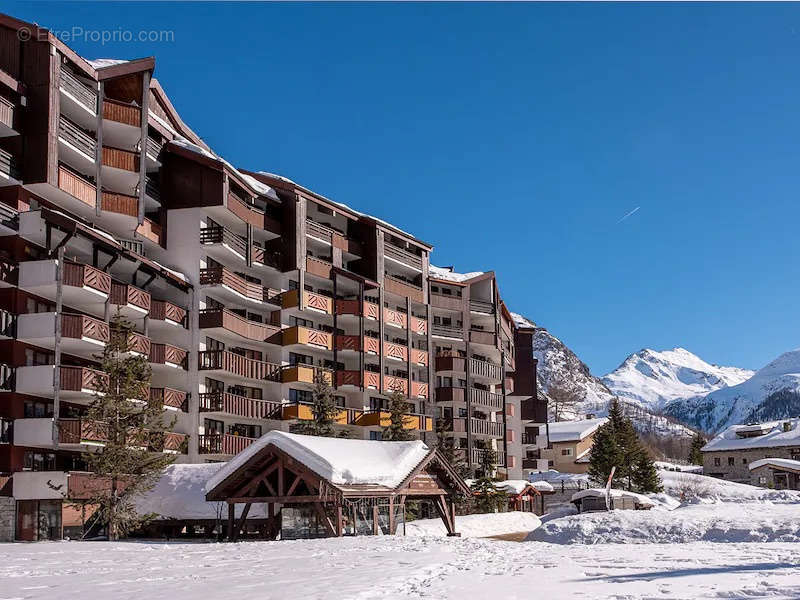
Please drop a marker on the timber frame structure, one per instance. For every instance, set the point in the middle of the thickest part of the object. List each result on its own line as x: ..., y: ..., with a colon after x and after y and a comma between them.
x: 274, y: 477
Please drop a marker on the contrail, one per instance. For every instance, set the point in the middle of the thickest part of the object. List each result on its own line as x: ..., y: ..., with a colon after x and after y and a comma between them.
x: 628, y: 215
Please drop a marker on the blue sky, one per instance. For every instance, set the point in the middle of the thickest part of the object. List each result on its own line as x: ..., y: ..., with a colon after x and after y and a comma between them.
x: 515, y: 137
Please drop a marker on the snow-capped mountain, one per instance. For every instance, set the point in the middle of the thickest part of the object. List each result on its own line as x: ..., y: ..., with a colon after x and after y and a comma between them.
x: 653, y: 379
x: 557, y: 363
x: 773, y: 392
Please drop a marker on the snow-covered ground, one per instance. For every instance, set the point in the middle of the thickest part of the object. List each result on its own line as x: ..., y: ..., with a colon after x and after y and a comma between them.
x: 477, y: 525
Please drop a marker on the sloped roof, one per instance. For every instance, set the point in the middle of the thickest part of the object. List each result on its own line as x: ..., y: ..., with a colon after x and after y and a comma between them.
x: 778, y: 463
x: 774, y: 436
x: 573, y: 431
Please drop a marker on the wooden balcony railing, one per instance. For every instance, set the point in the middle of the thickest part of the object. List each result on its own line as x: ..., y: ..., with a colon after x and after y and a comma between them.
x: 485, y: 369
x: 403, y: 256
x: 484, y: 427
x: 486, y: 398
x: 216, y: 234
x: 395, y: 351
x: 152, y: 231
x: 163, y: 310
x: 481, y: 306
x: 79, y: 379
x: 477, y: 455
x: 418, y: 325
x: 117, y: 158
x: 121, y: 204
x: 420, y: 389
x: 153, y: 148
x: 246, y: 212
x: 77, y: 186
x: 167, y: 354
x: 395, y: 318
x: 80, y: 326
x: 173, y: 442
x: 114, y: 110
x: 302, y: 373
x: 241, y: 406
x: 351, y: 307
x: 9, y: 165
x: 479, y: 336
x: 7, y: 112
x: 393, y: 384
x: 77, y: 137
x: 152, y: 188
x: 447, y: 331
x: 229, y: 279
x: 81, y: 431
x: 78, y: 90
x: 239, y: 365
x: 168, y: 397
x: 226, y: 319
x: 419, y: 357
x: 348, y: 342
x: 318, y: 230
x: 223, y: 444
x: 123, y: 294
x: 446, y: 301
x: 307, y: 336
x: 403, y: 288
x: 269, y: 258
x: 312, y: 300
x: 318, y: 267
x: 377, y: 417
x: 80, y: 275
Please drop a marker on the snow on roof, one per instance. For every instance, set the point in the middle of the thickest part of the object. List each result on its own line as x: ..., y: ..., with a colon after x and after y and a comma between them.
x: 177, y: 274
x: 573, y: 431
x: 101, y: 63
x: 774, y: 436
x: 276, y: 176
x: 781, y: 463
x: 584, y: 456
x: 340, y: 461
x: 542, y: 486
x: 515, y: 486
x: 521, y: 321
x: 180, y: 494
x: 553, y: 475
x: 601, y: 493
x: 447, y: 274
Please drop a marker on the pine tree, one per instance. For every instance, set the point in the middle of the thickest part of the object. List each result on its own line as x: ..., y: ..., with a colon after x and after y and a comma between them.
x: 606, y: 453
x: 487, y: 497
x: 323, y: 410
x: 131, y: 459
x: 396, y: 430
x: 446, y: 444
x: 646, y: 479
x: 695, y: 452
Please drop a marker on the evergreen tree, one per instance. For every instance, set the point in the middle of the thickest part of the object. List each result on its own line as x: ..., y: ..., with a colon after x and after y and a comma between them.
x: 446, y: 444
x: 606, y: 453
x: 695, y: 454
x: 646, y: 479
x: 396, y: 430
x: 131, y: 459
x: 323, y: 409
x: 486, y: 496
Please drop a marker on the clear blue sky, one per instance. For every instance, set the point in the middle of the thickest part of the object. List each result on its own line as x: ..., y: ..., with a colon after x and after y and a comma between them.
x: 515, y: 137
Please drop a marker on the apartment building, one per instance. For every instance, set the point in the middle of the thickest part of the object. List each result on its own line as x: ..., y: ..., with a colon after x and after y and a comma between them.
x: 244, y: 289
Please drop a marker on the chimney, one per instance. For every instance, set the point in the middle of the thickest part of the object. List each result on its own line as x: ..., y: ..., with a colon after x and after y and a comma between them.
x: 787, y: 425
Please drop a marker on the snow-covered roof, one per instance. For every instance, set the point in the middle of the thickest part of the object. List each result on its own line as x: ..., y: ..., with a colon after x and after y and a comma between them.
x: 447, y: 274
x: 573, y: 431
x: 774, y: 436
x: 584, y: 456
x: 779, y: 463
x: 101, y: 63
x: 180, y: 494
x: 601, y: 493
x: 340, y: 461
x: 517, y: 486
x: 521, y: 321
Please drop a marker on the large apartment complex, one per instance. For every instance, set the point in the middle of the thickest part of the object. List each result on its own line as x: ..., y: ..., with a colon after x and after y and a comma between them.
x: 244, y: 289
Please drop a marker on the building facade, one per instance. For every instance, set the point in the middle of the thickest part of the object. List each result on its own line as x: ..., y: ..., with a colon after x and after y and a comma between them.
x: 244, y: 289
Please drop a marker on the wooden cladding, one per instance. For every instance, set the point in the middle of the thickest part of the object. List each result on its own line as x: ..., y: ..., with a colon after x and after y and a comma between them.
x: 120, y: 112
x: 168, y: 397
x: 233, y: 404
x: 80, y: 326
x: 482, y: 337
x: 380, y: 418
x: 446, y: 302
x: 306, y: 336
x: 123, y: 294
x: 151, y: 231
x: 486, y: 398
x: 253, y: 291
x: 77, y: 186
x: 395, y: 351
x: 248, y: 214
x: 118, y: 158
x: 419, y: 357
x: 79, y: 431
x: 403, y: 256
x: 78, y: 379
x: 121, y: 204
x: 174, y: 442
x: 403, y: 288
x: 239, y: 365
x: 318, y: 267
x: 395, y: 318
x: 351, y: 307
x: 167, y: 354
x: 311, y: 300
x: 304, y: 374
x: 348, y: 342
x: 162, y: 310
x: 419, y: 326
x: 226, y: 319
x: 223, y: 444
x: 420, y: 389
x: 80, y: 275
x: 395, y: 384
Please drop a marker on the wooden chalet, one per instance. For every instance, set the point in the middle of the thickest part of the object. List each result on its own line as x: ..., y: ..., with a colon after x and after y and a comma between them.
x: 321, y: 487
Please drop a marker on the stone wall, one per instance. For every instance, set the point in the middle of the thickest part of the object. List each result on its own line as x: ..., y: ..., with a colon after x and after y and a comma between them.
x: 739, y: 471
x: 7, y: 518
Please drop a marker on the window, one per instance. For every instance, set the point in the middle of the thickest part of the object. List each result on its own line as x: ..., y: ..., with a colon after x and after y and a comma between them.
x: 550, y: 464
x: 566, y: 452
x: 300, y: 395
x: 212, y: 344
x: 376, y: 436
x: 5, y: 431
x: 213, y: 427
x: 744, y: 461
x: 36, y: 410
x: 462, y: 412
x: 462, y: 442
x: 339, y: 401
x: 762, y: 480
x: 39, y: 461
x: 36, y: 357
x: 717, y: 462
x: 251, y: 431
x: 300, y: 322
x: 378, y: 403
x: 731, y: 461
x: 300, y: 359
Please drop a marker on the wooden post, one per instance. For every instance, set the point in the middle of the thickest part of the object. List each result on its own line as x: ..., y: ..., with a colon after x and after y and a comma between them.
x: 242, y: 520
x: 339, y: 521
x: 375, y: 525
x: 451, y: 507
x: 391, y: 515
x: 231, y: 517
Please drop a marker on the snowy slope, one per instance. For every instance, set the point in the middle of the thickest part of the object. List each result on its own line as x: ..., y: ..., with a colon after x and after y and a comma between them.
x: 653, y: 378
x: 749, y: 399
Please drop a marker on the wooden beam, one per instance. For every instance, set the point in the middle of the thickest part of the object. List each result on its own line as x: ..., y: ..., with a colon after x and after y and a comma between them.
x: 391, y: 505
x: 297, y: 479
x: 339, y: 521
x: 276, y: 499
x: 325, y: 519
x: 375, y: 524
x: 452, y: 506
x: 231, y: 516
x: 242, y: 520
x: 257, y: 479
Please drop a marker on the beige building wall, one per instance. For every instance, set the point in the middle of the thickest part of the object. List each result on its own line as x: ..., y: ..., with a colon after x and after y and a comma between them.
x: 565, y: 463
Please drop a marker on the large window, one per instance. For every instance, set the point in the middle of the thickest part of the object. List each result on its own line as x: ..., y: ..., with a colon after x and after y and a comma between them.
x: 300, y: 395
x: 251, y: 431
x: 34, y: 409
x: 39, y: 461
x: 5, y: 431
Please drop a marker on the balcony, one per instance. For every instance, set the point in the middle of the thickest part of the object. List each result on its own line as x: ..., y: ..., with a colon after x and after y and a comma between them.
x: 225, y: 321
x: 223, y: 444
x: 169, y: 398
x: 124, y: 160
x: 485, y: 428
x: 245, y: 211
x: 241, y: 406
x: 168, y: 313
x: 77, y: 187
x: 9, y: 167
x: 133, y: 303
x: 8, y: 111
x: 75, y: 382
x: 481, y: 306
x: 119, y: 112
x: 235, y: 288
x: 351, y: 307
x: 138, y: 344
x: 227, y: 241
x: 419, y: 389
x: 153, y: 151
x: 394, y: 318
x: 167, y: 355
x: 477, y: 455
x: 121, y: 204
x: 348, y: 343
x: 266, y: 258
x: 448, y: 331
x: 479, y: 336
x: 509, y: 385
x: 317, y: 266
x: 446, y: 301
x: 80, y: 335
x: 311, y: 301
x: 478, y: 397
x: 395, y: 384
x: 448, y: 362
x: 402, y: 256
x: 83, y: 285
x: 79, y: 147
x: 482, y: 369
x: 419, y: 357
x: 152, y: 231
x: 228, y: 363
x: 307, y: 337
x: 304, y: 411
x: 80, y: 94
x: 403, y: 288
x: 370, y: 380
x: 304, y: 374
x: 419, y: 326
x: 382, y: 418
x: 82, y: 432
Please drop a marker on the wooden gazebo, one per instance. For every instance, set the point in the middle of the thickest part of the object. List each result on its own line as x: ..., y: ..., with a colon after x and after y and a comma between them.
x: 316, y: 487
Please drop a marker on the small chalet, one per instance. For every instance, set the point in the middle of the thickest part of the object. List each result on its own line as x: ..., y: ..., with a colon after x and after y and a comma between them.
x: 320, y: 487
x: 777, y: 473
x: 570, y: 444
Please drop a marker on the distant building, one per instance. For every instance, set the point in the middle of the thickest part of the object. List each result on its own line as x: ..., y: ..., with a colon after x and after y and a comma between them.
x: 566, y: 445
x: 729, y: 455
x: 777, y: 473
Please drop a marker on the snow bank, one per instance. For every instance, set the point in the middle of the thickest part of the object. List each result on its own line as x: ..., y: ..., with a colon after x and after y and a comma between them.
x: 601, y: 493
x: 477, y: 525
x: 340, y: 461
x: 681, y: 485
x: 670, y: 466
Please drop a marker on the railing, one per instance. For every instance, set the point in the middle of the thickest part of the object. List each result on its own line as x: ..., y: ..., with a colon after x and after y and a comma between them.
x: 398, y: 286
x: 114, y: 110
x: 403, y: 256
x: 6, y: 112
x: 395, y: 318
x: 486, y: 398
x: 120, y: 203
x: 307, y: 336
x: 446, y: 301
x: 251, y: 330
x: 173, y: 442
x: 168, y: 397
x: 118, y: 158
x: 484, y: 427
x: 419, y: 357
x: 8, y: 164
x: 239, y: 365
x: 447, y: 330
x: 481, y: 306
x: 153, y: 148
x: 216, y: 234
x: 80, y: 326
x: 418, y: 325
x: 78, y: 379
x: 351, y: 307
x: 79, y: 275
x: 262, y: 256
x: 477, y: 455
x: 420, y: 389
x: 245, y: 211
x: 77, y: 431
x: 167, y: 354
x: 241, y: 406
x: 253, y: 291
x: 152, y: 189
x: 484, y: 369
x: 318, y: 267
x: 223, y: 444
x: 302, y: 373
x: 77, y: 186
x: 123, y: 294
x: 163, y: 310
x: 319, y: 231
x: 481, y: 336
x: 8, y: 323
x: 75, y: 136
x: 395, y: 384
x: 78, y: 90
x: 151, y: 231
x: 395, y: 351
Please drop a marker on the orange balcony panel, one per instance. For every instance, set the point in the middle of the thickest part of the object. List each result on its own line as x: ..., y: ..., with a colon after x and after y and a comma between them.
x: 419, y: 389
x: 348, y: 378
x: 120, y: 112
x: 372, y: 345
x: 348, y: 342
x: 394, y: 384
x: 303, y: 374
x: 318, y: 302
x: 296, y: 411
x: 419, y: 357
x: 371, y: 311
x: 395, y: 351
x: 395, y: 318
x: 372, y: 380
x: 419, y: 326
x: 306, y: 336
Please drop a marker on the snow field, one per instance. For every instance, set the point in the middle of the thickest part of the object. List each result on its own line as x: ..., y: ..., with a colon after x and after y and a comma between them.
x: 477, y: 525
